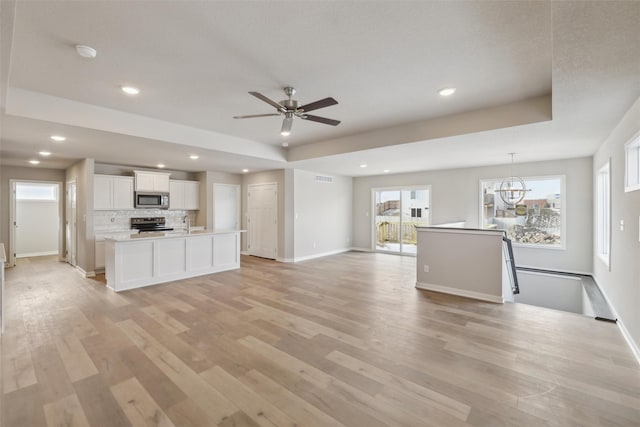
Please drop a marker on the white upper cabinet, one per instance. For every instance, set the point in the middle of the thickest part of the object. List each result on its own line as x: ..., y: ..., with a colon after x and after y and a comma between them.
x: 155, y: 182
x: 184, y: 195
x: 112, y: 192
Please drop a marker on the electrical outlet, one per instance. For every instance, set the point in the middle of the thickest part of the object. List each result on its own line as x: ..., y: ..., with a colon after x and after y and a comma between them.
x: 426, y: 268
x: 622, y: 225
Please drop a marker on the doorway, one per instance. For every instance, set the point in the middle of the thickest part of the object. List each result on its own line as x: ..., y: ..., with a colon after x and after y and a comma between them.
x: 397, y: 212
x: 36, y: 212
x: 226, y: 207
x: 70, y: 231
x: 262, y: 220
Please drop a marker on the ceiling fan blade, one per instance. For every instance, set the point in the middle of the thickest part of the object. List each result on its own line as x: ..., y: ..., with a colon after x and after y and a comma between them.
x: 318, y: 104
x: 268, y: 101
x: 256, y: 115
x: 320, y: 119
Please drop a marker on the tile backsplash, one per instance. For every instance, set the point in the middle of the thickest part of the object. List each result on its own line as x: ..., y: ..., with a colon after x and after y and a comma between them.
x: 109, y: 221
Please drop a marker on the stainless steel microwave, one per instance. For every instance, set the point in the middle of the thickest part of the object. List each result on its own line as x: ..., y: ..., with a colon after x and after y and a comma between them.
x: 151, y: 200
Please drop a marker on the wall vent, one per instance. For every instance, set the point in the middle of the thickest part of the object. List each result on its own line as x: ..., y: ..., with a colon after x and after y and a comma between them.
x: 323, y: 178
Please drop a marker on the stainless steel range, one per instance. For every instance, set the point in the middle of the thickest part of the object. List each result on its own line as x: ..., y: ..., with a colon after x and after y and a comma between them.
x: 149, y: 224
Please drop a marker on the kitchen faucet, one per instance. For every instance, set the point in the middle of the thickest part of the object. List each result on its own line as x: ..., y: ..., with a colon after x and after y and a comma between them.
x: 187, y: 220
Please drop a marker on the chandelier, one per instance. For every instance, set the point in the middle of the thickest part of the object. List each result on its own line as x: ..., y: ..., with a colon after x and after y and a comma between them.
x: 512, y: 189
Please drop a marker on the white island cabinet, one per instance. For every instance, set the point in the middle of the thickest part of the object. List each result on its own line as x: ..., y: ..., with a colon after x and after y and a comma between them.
x: 134, y: 262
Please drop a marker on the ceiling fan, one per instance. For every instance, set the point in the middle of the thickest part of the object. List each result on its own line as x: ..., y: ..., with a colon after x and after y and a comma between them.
x: 290, y: 109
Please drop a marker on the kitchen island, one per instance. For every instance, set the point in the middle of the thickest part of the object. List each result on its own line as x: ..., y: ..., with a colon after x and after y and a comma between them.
x: 138, y: 260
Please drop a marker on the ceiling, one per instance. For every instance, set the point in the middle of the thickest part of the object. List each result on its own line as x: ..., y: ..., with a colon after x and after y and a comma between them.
x: 543, y: 79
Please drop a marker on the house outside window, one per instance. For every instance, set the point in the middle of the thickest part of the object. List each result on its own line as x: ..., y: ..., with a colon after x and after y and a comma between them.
x: 632, y: 164
x: 537, y: 221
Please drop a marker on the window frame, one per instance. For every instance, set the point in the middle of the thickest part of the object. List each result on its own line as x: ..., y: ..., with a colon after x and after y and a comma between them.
x: 603, y: 231
x: 632, y: 148
x: 427, y: 211
x: 563, y: 211
x: 55, y: 196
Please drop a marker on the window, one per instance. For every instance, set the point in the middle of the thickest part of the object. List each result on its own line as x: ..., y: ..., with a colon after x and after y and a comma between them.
x: 538, y: 220
x: 43, y: 192
x: 632, y: 164
x: 603, y: 213
x: 397, y: 212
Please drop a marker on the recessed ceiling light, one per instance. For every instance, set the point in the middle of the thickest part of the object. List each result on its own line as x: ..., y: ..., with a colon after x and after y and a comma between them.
x: 160, y: 165
x: 363, y: 165
x: 285, y: 144
x: 386, y: 171
x: 130, y: 90
x: 45, y: 153
x: 58, y: 138
x: 194, y: 157
x: 245, y: 170
x: 448, y: 91
x: 86, y: 51
x: 34, y: 162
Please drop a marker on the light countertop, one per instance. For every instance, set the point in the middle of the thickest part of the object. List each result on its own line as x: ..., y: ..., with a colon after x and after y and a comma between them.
x: 167, y: 235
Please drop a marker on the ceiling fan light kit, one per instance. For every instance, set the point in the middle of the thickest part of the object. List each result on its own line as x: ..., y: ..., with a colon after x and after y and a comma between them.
x: 290, y: 109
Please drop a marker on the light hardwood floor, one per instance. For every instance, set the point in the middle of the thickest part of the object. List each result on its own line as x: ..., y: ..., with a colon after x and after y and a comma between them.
x: 344, y: 340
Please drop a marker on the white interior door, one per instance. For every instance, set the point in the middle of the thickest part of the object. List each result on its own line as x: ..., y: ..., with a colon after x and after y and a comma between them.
x: 35, y: 210
x: 262, y: 221
x: 70, y: 223
x: 36, y: 219
x: 226, y: 206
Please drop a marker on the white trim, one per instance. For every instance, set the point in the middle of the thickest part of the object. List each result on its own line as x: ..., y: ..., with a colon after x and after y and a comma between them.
x: 85, y: 273
x: 372, y: 212
x: 244, y: 253
x: 357, y: 249
x: 11, y: 259
x: 460, y: 292
x: 551, y: 274
x: 308, y: 257
x: 632, y: 142
x: 625, y: 332
x: 30, y: 254
x: 486, y: 232
x: 627, y: 337
x: 584, y: 273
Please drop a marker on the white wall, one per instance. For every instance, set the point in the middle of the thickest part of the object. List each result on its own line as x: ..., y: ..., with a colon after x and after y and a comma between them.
x: 467, y: 263
x: 38, y: 227
x: 622, y: 283
x: 558, y: 292
x: 322, y: 215
x: 455, y: 196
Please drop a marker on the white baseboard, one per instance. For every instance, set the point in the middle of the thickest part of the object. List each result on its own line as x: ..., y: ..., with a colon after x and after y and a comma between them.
x: 584, y: 273
x: 85, y: 273
x: 30, y: 254
x: 361, y: 249
x: 244, y: 253
x: 459, y: 292
x: 623, y: 329
x: 308, y: 257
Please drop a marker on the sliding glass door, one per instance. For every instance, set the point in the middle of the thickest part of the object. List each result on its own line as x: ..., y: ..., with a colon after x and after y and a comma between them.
x: 397, y: 213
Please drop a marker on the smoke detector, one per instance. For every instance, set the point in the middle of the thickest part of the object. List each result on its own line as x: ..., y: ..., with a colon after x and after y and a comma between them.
x: 86, y: 51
